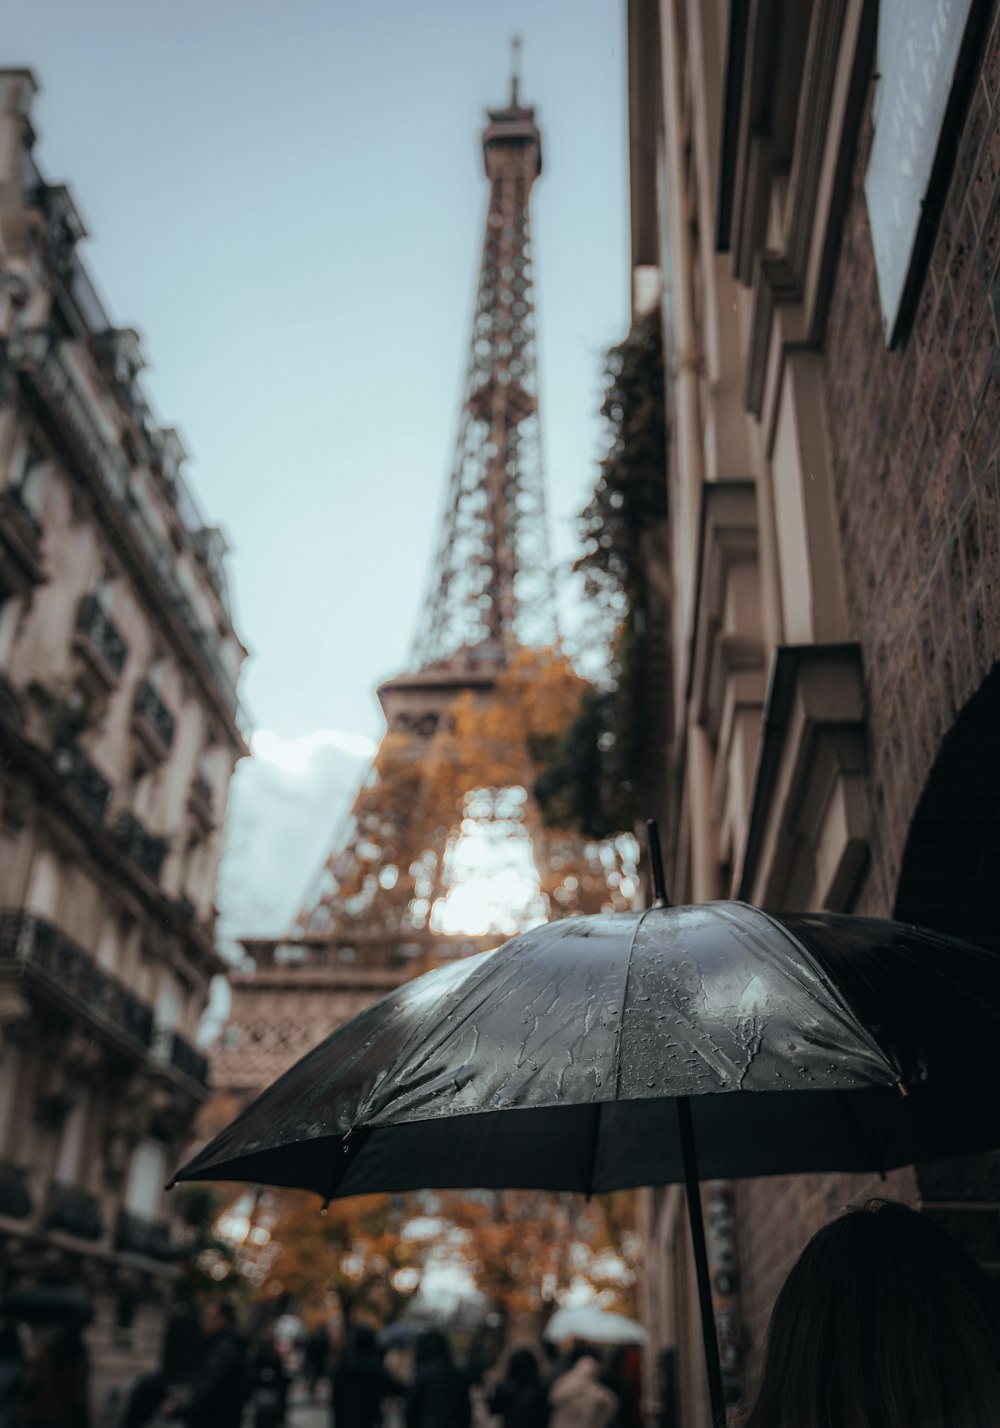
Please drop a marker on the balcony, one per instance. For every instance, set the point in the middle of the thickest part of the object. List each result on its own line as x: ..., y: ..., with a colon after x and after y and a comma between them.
x: 170, y: 1049
x: 15, y: 1198
x: 91, y: 788
x: 74, y: 1211
x: 200, y: 804
x: 142, y: 846
x: 98, y: 642
x: 20, y: 544
x: 149, y: 1238
x: 152, y: 723
x: 55, y: 967
x: 49, y: 369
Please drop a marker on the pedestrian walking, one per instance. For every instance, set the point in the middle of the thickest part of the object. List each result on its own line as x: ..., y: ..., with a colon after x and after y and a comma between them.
x: 521, y: 1397
x: 315, y: 1359
x: 57, y: 1386
x: 884, y: 1320
x: 361, y: 1383
x: 578, y: 1398
x: 270, y: 1381
x: 13, y: 1371
x: 439, y: 1394
x: 221, y: 1387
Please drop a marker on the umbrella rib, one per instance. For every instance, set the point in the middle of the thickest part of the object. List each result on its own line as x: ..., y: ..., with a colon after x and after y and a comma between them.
x: 595, y: 1137
x: 620, y: 1032
x: 834, y: 990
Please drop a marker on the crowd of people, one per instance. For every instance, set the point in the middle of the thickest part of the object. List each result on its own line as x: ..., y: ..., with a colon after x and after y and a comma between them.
x: 243, y: 1383
x: 883, y: 1321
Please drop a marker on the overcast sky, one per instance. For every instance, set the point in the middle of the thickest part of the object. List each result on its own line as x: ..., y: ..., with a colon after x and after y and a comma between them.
x: 287, y: 200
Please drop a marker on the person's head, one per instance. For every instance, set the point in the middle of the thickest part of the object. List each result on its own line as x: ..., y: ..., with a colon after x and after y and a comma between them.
x: 883, y: 1322
x: 581, y: 1350
x: 522, y: 1367
x: 217, y: 1315
x: 363, y: 1342
x: 10, y: 1343
x: 432, y: 1347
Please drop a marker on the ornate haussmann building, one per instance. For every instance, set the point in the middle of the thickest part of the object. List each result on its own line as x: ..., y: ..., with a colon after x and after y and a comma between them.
x: 816, y: 208
x: 119, y: 730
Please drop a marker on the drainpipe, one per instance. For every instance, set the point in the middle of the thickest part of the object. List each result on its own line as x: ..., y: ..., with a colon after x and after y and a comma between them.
x: 689, y: 475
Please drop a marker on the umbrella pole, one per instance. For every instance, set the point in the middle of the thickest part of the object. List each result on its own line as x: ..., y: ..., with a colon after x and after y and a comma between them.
x: 693, y: 1194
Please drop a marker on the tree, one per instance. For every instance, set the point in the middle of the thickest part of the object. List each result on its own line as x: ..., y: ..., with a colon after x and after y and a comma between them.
x: 351, y: 1258
x: 206, y: 1262
x: 595, y: 771
x: 525, y: 1250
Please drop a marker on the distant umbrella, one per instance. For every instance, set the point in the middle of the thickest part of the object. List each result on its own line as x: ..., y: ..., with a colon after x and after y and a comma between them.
x: 402, y: 1332
x: 596, y: 1325
x: 619, y: 1050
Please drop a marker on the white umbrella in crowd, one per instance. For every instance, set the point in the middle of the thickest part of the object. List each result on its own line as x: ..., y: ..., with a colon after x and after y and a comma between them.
x: 596, y: 1325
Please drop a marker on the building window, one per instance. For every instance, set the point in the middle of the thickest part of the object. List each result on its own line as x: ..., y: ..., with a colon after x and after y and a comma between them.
x: 29, y: 477
x: 71, y: 1142
x: 923, y: 49
x: 43, y: 888
x: 146, y: 1175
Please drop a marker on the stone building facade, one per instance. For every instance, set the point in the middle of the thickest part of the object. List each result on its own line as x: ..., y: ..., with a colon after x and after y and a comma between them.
x: 119, y: 731
x: 816, y: 207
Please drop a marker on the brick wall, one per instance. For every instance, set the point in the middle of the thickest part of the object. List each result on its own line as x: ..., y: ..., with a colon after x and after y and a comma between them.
x: 915, y: 437
x: 915, y: 441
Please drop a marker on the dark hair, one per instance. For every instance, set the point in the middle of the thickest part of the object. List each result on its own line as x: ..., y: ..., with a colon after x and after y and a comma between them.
x: 226, y: 1309
x: 363, y: 1342
x: 883, y: 1322
x: 522, y: 1367
x: 432, y: 1347
x: 580, y: 1349
x: 10, y: 1343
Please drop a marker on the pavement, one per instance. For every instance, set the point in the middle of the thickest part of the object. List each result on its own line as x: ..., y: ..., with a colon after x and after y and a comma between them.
x: 302, y: 1414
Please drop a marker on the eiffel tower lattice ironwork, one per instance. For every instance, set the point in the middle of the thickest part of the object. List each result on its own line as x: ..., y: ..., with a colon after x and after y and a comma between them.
x: 488, y: 627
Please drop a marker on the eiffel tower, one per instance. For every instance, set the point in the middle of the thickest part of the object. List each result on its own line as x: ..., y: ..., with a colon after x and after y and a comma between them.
x: 370, y: 918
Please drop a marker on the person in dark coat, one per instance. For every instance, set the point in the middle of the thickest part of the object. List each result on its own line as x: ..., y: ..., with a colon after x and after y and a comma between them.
x: 270, y: 1381
x: 57, y: 1389
x: 439, y: 1394
x: 521, y: 1397
x: 361, y: 1383
x: 13, y: 1371
x: 221, y: 1387
x: 315, y: 1359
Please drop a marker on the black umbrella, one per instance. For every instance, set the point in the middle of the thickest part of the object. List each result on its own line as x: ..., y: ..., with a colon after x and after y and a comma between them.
x: 594, y: 1053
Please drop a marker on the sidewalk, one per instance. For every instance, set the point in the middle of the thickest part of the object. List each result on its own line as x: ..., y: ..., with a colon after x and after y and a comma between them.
x: 302, y: 1414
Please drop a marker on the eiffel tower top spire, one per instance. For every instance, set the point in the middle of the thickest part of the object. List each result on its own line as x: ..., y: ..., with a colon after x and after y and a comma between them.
x: 515, y: 69
x: 491, y: 589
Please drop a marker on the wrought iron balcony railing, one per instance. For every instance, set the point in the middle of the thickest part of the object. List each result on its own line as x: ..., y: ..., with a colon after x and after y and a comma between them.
x: 149, y: 1238
x: 155, y: 719
x: 15, y: 1198
x: 74, y: 1211
x: 52, y: 374
x: 93, y: 622
x: 142, y: 846
x: 170, y: 1049
x: 70, y: 975
x: 92, y: 787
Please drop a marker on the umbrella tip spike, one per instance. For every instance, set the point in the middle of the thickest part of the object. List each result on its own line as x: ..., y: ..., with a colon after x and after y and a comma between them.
x: 657, y: 878
x: 325, y: 1207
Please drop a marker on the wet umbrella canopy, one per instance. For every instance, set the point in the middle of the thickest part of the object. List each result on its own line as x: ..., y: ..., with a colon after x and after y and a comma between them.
x: 546, y: 1064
